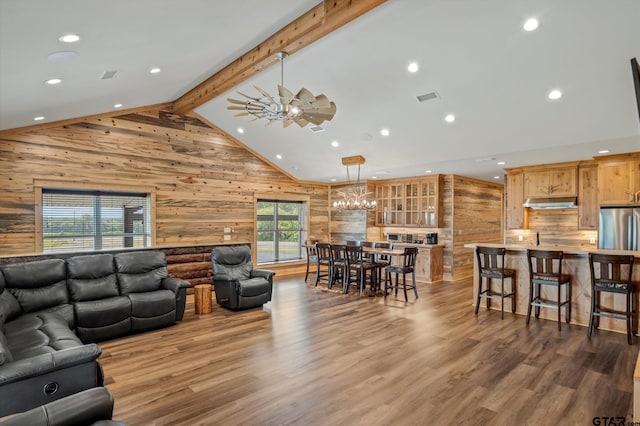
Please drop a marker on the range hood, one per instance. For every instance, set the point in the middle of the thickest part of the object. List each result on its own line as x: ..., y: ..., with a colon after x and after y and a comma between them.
x: 551, y: 203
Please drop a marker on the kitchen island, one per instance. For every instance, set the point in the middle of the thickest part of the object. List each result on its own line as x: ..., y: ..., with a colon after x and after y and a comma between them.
x: 429, y: 262
x: 576, y: 265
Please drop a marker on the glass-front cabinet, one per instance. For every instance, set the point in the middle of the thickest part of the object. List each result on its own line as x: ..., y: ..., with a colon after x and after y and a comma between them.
x: 414, y: 202
x: 429, y: 204
x: 411, y: 200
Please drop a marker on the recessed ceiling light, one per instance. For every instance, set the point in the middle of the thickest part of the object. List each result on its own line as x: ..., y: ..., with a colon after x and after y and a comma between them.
x: 496, y: 177
x: 554, y: 94
x: 413, y: 67
x: 39, y: 118
x: 279, y: 157
x: 240, y: 130
x: 427, y: 171
x: 117, y: 106
x: 531, y: 24
x: 69, y: 38
x: 449, y: 118
x: 154, y: 70
x: 335, y: 144
x: 333, y: 180
x: 501, y: 163
x: 603, y: 151
x: 374, y: 177
x: 53, y: 81
x: 384, y: 132
x: 61, y: 56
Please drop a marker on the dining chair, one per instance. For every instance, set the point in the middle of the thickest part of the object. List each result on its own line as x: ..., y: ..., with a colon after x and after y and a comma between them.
x: 324, y: 261
x: 354, y: 243
x: 357, y: 263
x: 407, y: 267
x: 382, y: 260
x: 312, y: 256
x: 338, y: 264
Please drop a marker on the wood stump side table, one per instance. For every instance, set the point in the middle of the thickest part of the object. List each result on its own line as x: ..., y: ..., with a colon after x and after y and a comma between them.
x: 202, y: 298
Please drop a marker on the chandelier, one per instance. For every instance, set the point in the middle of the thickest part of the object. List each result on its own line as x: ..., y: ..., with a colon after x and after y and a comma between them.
x: 302, y: 108
x: 355, y: 196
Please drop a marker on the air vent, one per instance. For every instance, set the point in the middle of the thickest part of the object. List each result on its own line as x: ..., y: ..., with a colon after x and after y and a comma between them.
x: 316, y: 129
x: 427, y: 96
x: 108, y: 75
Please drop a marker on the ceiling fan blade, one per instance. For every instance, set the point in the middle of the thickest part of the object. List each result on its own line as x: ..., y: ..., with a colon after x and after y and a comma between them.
x: 243, y: 108
x: 287, y: 122
x: 313, y: 119
x: 300, y: 121
x: 265, y: 94
x: 247, y: 96
x: 286, y: 95
x: 305, y: 96
x: 236, y: 101
x: 322, y: 102
x: 240, y: 114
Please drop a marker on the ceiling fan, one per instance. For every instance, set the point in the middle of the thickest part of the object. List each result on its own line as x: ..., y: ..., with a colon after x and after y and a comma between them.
x: 302, y: 108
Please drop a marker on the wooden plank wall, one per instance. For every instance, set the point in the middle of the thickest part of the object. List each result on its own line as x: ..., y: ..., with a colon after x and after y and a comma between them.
x: 204, y: 179
x: 347, y: 224
x: 477, y: 217
x: 557, y: 227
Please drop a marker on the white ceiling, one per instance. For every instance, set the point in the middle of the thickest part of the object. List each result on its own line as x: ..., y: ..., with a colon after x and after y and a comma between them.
x: 487, y: 71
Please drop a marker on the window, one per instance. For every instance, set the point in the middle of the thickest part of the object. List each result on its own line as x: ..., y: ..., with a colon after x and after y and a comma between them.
x: 281, y: 230
x: 80, y: 220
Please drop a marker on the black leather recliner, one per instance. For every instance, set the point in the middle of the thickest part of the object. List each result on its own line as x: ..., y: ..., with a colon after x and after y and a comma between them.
x: 237, y: 285
x: 90, y: 407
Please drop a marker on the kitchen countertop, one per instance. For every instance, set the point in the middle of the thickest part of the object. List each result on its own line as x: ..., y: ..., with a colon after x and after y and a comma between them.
x: 584, y: 251
x: 416, y: 245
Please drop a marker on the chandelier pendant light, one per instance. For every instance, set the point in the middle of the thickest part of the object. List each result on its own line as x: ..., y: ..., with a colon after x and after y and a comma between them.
x: 302, y: 108
x: 355, y: 196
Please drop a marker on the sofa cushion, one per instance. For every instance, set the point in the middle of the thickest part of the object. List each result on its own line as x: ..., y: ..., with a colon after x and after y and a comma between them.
x: 140, y: 271
x: 254, y: 287
x: 36, y: 334
x: 9, y: 308
x: 99, y: 313
x: 37, y: 285
x: 233, y: 261
x: 91, y: 277
x: 152, y: 304
x: 5, y: 352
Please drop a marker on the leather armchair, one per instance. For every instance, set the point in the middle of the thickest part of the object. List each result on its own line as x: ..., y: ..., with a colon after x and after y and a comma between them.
x: 90, y: 407
x: 237, y: 285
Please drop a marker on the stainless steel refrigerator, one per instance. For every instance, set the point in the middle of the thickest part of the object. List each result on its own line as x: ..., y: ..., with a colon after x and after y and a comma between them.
x: 619, y: 228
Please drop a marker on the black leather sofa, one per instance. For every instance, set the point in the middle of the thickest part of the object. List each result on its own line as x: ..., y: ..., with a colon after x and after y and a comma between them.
x: 90, y: 407
x: 52, y: 311
x: 237, y: 284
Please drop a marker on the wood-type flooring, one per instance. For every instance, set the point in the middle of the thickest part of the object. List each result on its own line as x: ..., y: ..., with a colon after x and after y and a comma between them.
x: 313, y: 357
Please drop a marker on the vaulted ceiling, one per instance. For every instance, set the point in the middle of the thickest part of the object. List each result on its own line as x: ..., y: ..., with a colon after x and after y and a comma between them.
x: 485, y: 69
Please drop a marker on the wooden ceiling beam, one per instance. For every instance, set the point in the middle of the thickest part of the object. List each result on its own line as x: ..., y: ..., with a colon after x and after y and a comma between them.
x: 311, y: 26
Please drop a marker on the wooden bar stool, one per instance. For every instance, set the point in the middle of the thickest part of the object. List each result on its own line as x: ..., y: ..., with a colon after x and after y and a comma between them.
x: 545, y: 268
x: 612, y: 274
x: 491, y: 267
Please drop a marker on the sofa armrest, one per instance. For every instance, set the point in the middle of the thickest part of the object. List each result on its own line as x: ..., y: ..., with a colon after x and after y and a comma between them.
x: 264, y: 273
x: 175, y: 284
x: 179, y: 287
x: 86, y: 407
x: 45, y: 363
x: 226, y: 290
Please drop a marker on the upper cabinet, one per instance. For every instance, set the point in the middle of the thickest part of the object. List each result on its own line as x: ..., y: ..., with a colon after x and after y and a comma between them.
x: 619, y: 179
x: 588, y: 196
x: 516, y: 215
x: 409, y: 202
x: 551, y: 182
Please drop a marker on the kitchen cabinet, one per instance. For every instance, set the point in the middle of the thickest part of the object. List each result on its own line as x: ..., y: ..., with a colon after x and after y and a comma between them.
x: 430, y: 204
x: 551, y: 182
x: 409, y: 202
x: 516, y: 215
x: 390, y: 202
x: 619, y: 180
x: 588, y: 196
